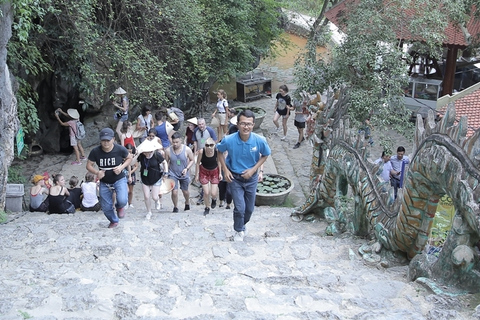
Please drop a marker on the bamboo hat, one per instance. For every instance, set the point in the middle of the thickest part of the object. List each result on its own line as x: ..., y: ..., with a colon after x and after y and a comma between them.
x: 120, y: 91
x: 149, y: 146
x: 193, y: 120
x: 73, y: 113
x: 167, y: 185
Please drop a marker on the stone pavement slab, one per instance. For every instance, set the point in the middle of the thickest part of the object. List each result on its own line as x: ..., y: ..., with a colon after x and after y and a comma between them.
x: 185, y: 266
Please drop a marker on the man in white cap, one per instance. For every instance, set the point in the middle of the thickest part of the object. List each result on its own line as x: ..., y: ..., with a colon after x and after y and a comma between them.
x: 72, y: 124
x: 111, y: 159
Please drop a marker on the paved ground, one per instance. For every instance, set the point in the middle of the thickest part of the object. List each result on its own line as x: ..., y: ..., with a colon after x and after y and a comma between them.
x: 185, y: 266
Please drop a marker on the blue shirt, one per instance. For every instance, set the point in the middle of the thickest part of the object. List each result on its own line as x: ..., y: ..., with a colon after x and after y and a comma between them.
x: 162, y: 134
x: 243, y: 155
x: 397, y: 164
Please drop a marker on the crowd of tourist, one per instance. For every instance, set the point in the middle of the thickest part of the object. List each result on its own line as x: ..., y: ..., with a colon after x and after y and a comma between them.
x: 226, y: 163
x: 162, y: 155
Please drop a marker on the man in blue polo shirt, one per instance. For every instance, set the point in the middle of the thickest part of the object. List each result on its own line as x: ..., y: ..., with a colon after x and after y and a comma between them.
x: 247, y: 151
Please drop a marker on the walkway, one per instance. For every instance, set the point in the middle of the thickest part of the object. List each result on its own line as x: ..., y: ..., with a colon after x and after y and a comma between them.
x: 185, y: 266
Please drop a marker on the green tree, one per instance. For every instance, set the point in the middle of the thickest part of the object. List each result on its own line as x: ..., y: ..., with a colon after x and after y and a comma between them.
x: 371, y: 61
x: 157, y: 49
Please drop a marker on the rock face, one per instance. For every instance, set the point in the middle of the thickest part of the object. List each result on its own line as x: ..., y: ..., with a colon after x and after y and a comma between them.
x: 8, y: 104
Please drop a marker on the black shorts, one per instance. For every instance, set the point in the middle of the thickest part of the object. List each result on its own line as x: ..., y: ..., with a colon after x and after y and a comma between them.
x: 299, y: 125
x: 282, y: 112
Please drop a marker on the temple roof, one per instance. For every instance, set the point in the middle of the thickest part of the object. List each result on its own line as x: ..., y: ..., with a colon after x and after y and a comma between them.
x: 467, y: 103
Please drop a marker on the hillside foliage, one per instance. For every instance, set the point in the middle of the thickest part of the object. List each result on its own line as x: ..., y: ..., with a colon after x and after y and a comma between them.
x: 159, y: 51
x: 371, y: 61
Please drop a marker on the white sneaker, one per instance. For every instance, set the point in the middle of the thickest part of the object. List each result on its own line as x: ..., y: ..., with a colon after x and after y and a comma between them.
x: 148, y: 216
x: 158, y: 205
x: 283, y: 138
x: 238, y: 236
x: 131, y: 206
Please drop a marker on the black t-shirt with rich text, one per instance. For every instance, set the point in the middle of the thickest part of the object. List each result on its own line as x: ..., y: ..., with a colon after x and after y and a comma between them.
x: 108, y: 160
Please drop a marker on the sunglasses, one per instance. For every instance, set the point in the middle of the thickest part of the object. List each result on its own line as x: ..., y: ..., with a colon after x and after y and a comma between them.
x: 209, y: 145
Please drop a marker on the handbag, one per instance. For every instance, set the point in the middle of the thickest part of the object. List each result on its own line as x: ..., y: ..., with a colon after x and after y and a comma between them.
x: 138, y: 134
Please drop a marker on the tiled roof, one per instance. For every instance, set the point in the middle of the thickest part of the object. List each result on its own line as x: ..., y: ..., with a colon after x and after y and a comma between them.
x: 455, y: 35
x: 467, y: 103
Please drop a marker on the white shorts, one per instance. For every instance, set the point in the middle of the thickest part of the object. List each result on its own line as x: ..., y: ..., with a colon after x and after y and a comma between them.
x: 223, y: 118
x: 73, y: 141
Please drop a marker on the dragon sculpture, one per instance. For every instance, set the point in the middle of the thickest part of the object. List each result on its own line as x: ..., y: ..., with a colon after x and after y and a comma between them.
x: 444, y: 162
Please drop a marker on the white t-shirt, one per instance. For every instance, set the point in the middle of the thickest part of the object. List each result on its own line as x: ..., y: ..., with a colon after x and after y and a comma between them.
x: 221, y: 105
x: 387, y: 167
x: 145, y: 122
x: 90, y: 198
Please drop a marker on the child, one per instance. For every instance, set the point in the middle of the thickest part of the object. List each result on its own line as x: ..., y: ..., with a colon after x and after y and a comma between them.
x: 57, y: 199
x: 75, y: 193
x: 37, y: 201
x: 301, y: 113
x: 127, y: 134
x: 89, y: 188
x: 131, y: 177
x: 224, y: 194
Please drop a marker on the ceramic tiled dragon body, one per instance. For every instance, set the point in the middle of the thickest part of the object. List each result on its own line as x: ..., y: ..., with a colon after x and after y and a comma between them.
x: 444, y: 162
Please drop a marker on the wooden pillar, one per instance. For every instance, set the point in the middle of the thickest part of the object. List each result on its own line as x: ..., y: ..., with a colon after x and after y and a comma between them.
x: 450, y: 67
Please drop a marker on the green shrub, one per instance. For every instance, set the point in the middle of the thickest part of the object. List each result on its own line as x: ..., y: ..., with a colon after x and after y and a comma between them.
x: 15, y: 175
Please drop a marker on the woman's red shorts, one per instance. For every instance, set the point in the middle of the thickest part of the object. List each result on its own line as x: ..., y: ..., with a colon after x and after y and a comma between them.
x: 205, y: 176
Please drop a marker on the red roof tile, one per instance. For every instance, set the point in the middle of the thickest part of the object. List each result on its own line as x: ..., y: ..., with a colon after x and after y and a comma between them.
x: 454, y: 34
x: 467, y: 105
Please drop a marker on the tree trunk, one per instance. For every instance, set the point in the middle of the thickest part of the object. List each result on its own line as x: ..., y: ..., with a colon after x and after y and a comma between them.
x: 8, y: 103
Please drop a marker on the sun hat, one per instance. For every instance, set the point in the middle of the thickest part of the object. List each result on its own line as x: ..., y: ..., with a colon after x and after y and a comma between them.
x: 149, y: 146
x: 107, y: 134
x: 167, y: 186
x: 120, y: 91
x: 73, y: 113
x: 37, y: 178
x: 193, y: 120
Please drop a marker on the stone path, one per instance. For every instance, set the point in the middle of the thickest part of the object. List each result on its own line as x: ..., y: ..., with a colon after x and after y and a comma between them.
x: 186, y: 266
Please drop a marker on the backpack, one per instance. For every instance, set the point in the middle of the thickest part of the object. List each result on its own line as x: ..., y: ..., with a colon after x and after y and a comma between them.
x: 80, y: 131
